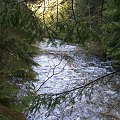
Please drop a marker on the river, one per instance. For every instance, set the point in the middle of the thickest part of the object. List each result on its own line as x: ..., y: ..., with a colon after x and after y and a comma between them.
x: 73, y: 66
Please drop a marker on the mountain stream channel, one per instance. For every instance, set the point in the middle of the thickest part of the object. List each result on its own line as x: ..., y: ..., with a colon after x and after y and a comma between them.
x: 64, y: 67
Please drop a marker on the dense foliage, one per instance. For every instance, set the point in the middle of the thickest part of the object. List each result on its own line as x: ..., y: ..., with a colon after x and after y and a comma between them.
x: 20, y: 30
x: 92, y: 23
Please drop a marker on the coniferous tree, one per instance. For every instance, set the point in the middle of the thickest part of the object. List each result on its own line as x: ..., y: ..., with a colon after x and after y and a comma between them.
x: 20, y: 30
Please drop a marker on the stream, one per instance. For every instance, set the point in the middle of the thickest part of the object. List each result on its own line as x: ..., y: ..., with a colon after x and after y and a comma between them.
x: 64, y: 67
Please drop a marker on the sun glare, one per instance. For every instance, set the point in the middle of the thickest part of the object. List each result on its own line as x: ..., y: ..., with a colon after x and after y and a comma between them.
x: 41, y: 7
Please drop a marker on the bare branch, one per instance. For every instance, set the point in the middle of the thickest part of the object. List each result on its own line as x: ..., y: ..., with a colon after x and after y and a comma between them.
x: 53, y: 73
x: 83, y: 86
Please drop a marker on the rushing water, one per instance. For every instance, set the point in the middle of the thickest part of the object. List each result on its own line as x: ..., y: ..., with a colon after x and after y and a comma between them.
x: 72, y: 66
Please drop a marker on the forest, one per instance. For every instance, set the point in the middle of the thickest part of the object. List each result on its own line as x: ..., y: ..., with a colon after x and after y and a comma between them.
x: 93, y: 25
